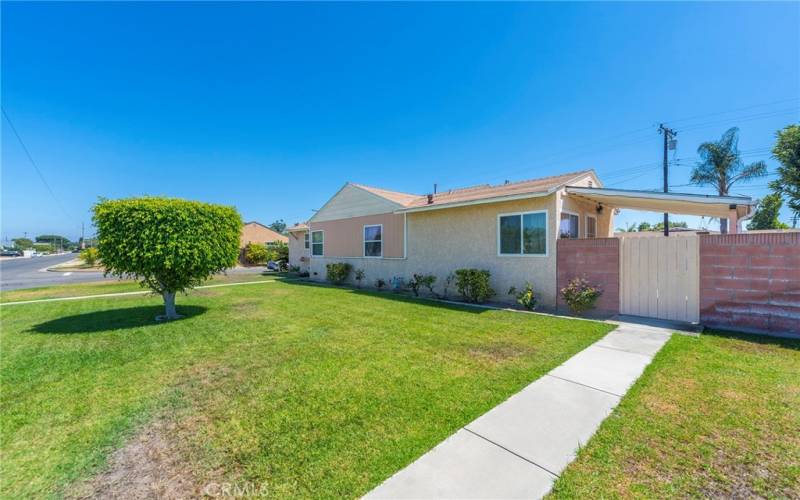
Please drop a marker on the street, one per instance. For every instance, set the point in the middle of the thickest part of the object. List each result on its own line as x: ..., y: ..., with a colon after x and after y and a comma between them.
x: 32, y: 272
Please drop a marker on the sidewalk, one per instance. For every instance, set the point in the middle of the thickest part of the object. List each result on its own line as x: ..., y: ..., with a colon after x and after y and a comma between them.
x: 518, y: 449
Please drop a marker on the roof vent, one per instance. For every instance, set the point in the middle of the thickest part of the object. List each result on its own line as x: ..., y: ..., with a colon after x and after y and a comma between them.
x: 430, y: 199
x: 507, y: 182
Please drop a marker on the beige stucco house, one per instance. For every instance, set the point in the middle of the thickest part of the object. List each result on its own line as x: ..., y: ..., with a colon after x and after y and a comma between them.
x: 256, y: 232
x: 510, y: 229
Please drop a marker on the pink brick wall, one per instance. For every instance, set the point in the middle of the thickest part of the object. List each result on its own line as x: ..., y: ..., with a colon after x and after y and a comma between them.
x: 597, y: 260
x: 751, y: 282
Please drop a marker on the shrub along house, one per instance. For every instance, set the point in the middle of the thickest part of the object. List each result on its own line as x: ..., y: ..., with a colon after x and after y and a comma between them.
x: 511, y: 230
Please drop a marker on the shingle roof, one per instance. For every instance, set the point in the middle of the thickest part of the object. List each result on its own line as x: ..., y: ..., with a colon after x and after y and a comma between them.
x: 473, y: 193
x: 489, y: 191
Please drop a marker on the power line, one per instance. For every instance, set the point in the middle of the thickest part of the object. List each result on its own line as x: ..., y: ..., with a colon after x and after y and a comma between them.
x: 590, y: 148
x: 36, y: 167
x: 635, y: 176
x: 577, y: 151
x: 747, y: 118
x: 782, y: 101
x: 575, y: 156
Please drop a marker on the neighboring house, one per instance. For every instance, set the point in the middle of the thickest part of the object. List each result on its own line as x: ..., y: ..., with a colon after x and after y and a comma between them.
x: 509, y: 229
x: 255, y: 232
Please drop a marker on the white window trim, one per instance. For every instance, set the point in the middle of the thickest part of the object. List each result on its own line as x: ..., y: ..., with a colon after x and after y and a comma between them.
x: 570, y: 212
x: 522, y: 235
x: 320, y: 243
x: 364, y: 241
x: 586, y: 227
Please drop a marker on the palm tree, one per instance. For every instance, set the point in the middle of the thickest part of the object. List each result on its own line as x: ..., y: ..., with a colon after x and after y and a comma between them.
x: 722, y: 166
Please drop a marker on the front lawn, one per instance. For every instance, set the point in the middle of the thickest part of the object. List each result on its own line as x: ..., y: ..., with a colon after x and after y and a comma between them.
x: 309, y: 390
x: 111, y: 285
x: 715, y: 416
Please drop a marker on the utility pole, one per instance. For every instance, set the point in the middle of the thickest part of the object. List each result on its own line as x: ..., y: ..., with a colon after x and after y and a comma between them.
x: 668, y: 135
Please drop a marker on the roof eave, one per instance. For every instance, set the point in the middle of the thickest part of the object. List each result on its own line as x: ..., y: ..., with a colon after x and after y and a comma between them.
x: 654, y: 195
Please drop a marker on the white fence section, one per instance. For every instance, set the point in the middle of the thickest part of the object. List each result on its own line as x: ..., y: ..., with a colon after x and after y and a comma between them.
x: 660, y: 278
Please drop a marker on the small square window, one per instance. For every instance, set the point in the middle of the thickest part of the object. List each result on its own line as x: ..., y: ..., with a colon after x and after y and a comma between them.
x: 568, y: 228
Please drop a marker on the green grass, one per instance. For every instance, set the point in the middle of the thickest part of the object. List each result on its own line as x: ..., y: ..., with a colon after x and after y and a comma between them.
x: 316, y: 391
x: 714, y: 416
x: 109, y: 286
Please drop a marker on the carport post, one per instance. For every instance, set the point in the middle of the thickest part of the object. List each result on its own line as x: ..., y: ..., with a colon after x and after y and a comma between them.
x: 733, y: 220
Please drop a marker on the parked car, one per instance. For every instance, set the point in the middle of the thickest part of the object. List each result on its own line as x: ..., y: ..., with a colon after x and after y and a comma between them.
x: 11, y: 253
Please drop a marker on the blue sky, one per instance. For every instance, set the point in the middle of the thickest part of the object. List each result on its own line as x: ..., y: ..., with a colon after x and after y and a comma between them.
x: 272, y: 107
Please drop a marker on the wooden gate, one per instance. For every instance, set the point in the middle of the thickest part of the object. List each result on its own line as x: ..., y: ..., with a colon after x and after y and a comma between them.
x: 659, y: 277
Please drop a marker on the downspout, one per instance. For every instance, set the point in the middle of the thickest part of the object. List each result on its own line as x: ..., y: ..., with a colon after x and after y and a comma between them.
x: 405, y: 235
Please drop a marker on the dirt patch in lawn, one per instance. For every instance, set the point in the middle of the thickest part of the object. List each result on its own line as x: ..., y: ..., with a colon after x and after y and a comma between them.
x: 498, y: 352
x: 251, y: 309
x: 150, y: 465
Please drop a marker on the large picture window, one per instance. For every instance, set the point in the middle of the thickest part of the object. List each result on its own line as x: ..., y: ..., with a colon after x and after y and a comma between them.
x: 568, y: 227
x: 373, y: 241
x: 522, y: 234
x: 317, y: 243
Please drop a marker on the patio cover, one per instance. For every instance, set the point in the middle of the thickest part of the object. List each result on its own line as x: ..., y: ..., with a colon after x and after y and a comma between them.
x: 737, y: 207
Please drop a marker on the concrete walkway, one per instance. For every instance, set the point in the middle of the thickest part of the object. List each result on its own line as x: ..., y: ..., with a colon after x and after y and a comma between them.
x: 518, y: 449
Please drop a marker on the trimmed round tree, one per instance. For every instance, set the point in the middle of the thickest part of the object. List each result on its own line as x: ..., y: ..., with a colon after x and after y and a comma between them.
x: 168, y: 244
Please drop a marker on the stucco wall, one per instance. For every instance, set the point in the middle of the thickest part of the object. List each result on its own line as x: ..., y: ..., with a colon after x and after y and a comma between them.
x: 345, y: 238
x: 441, y: 241
x: 297, y: 250
x: 583, y: 208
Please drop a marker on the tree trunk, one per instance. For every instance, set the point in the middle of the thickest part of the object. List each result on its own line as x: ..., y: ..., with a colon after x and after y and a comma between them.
x: 169, y: 307
x: 723, y: 223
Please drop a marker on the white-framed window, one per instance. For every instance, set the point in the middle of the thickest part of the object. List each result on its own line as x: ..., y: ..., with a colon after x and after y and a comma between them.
x: 373, y: 240
x: 591, y: 226
x: 317, y: 243
x: 522, y: 233
x: 568, y: 226
x: 307, y: 237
